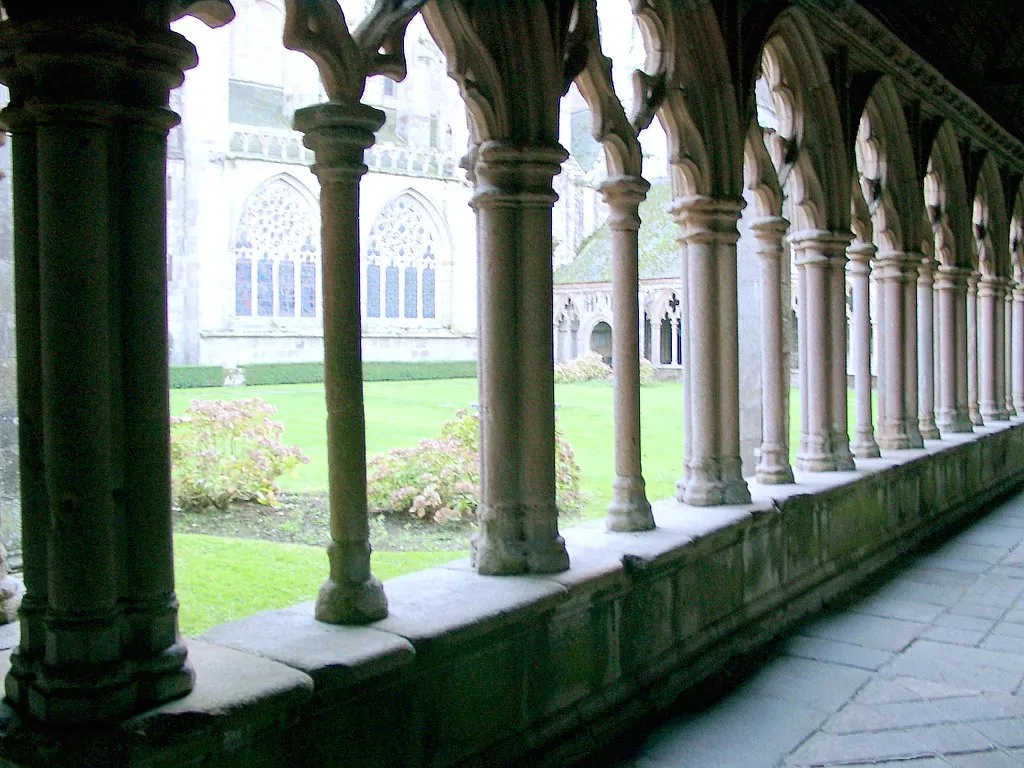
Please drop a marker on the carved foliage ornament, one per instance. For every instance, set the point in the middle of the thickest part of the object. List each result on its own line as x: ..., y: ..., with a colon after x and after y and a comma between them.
x: 345, y: 59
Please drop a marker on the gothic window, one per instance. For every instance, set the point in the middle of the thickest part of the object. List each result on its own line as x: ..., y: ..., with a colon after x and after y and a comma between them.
x: 277, y: 229
x: 402, y: 242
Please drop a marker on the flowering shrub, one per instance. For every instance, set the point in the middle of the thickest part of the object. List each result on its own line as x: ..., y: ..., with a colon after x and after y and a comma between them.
x: 589, y: 367
x: 439, y: 480
x: 228, y: 450
x: 646, y: 371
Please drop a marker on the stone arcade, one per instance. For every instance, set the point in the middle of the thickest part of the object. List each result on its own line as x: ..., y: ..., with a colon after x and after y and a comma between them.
x: 548, y: 642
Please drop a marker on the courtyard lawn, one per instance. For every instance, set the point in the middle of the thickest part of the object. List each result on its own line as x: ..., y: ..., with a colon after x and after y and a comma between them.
x: 219, y: 579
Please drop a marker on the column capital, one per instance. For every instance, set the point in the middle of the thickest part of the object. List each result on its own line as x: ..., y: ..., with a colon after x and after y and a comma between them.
x: 338, y: 133
x: 990, y: 286
x: 927, y: 267
x: 623, y: 194
x: 707, y: 219
x: 769, y: 233
x: 860, y: 253
x: 896, y: 265
x: 92, y: 72
x: 508, y: 174
x: 812, y: 246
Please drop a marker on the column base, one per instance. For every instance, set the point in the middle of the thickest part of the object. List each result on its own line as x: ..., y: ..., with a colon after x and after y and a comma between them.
x: 1018, y: 406
x: 929, y: 430
x: 357, y: 602
x: 975, y: 416
x: 953, y: 423
x: 773, y: 468
x: 815, y: 454
x: 734, y: 487
x: 841, y: 454
x: 551, y: 557
x: 914, y: 438
x: 1001, y: 415
x: 700, y: 488
x: 630, y: 510
x: 864, y: 445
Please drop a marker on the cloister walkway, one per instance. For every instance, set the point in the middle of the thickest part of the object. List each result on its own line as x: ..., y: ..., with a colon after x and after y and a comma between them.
x: 921, y: 668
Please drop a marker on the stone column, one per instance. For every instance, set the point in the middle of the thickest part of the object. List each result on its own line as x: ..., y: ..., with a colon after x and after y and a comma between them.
x: 629, y: 510
x: 1005, y: 352
x: 816, y: 372
x: 90, y: 120
x: 773, y: 467
x: 910, y: 329
x: 893, y: 269
x: 988, y: 301
x: 518, y: 517
x: 860, y: 254
x: 926, y: 349
x: 1018, y: 349
x: 338, y: 134
x: 840, y: 429
x: 709, y: 236
x: 972, y: 349
x: 950, y: 288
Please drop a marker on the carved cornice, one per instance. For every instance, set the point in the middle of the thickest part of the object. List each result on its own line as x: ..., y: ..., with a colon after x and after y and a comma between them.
x: 881, y: 49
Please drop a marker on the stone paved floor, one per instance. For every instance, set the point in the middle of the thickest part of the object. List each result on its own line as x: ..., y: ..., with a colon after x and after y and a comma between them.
x: 921, y: 669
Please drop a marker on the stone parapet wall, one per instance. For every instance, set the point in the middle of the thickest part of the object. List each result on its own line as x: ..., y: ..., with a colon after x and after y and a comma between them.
x: 536, y: 670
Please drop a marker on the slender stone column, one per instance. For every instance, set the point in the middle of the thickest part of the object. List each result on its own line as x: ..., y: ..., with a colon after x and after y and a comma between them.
x: 1018, y: 349
x: 860, y: 254
x: 1005, y: 352
x: 988, y: 302
x: 813, y: 260
x: 951, y: 289
x: 892, y: 271
x: 972, y: 349
x: 840, y: 418
x: 90, y: 119
x: 773, y: 467
x: 709, y: 235
x: 910, y: 369
x: 518, y: 517
x: 926, y: 349
x: 338, y: 134
x: 629, y: 510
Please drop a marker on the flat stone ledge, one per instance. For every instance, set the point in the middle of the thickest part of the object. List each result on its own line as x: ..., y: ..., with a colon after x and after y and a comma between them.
x: 333, y: 656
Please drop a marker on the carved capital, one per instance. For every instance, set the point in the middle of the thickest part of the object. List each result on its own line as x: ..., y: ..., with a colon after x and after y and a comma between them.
x: 338, y: 134
x: 624, y: 195
x: 707, y: 219
x: 507, y: 174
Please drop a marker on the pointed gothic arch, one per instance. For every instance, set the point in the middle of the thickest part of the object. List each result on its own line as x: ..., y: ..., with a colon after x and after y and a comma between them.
x: 991, y: 226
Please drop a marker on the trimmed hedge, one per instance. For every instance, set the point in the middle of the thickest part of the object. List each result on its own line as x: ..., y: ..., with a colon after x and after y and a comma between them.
x: 194, y: 376
x: 189, y: 376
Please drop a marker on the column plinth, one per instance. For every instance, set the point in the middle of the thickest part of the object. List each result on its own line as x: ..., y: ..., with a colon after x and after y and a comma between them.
x: 864, y: 445
x: 338, y: 134
x: 630, y: 509
x: 773, y: 467
x: 708, y: 233
x: 518, y: 515
x: 89, y: 114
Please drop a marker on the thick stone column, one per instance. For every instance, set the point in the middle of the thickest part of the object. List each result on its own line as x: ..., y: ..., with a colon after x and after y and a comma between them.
x: 910, y: 370
x: 1006, y: 359
x: 926, y: 349
x: 972, y: 349
x: 709, y: 237
x: 988, y: 302
x: 90, y: 120
x: 629, y: 510
x: 860, y: 254
x: 338, y: 134
x: 896, y: 274
x: 773, y: 467
x: 840, y: 417
x: 1018, y: 349
x: 518, y: 517
x: 813, y: 253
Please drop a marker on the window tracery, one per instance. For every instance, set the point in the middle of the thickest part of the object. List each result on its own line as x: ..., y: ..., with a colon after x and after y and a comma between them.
x: 403, y: 241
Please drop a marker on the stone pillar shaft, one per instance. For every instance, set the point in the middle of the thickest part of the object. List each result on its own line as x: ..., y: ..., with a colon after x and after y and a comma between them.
x: 773, y: 468
x: 898, y: 376
x: 90, y: 119
x: 988, y: 302
x: 1018, y: 349
x: 629, y: 510
x: 1006, y: 358
x: 709, y: 236
x: 864, y: 445
x: 926, y: 349
x: 910, y: 330
x: 338, y: 134
x: 972, y: 349
x: 518, y: 516
x: 840, y: 419
x: 951, y: 414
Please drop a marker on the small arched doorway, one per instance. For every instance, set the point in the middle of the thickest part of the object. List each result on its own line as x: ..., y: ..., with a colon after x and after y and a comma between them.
x: 601, y: 341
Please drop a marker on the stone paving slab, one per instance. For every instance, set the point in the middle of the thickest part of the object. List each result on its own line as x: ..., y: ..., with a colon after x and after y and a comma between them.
x: 922, y: 670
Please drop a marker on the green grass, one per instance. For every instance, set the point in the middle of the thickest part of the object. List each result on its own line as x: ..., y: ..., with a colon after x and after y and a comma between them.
x: 219, y: 579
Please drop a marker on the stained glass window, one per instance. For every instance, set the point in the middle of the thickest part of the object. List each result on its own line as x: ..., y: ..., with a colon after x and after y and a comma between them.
x: 307, y: 277
x: 286, y: 288
x: 411, y: 292
x: 391, y: 292
x: 243, y: 286
x: 402, y: 240
x: 428, y: 293
x: 265, y: 287
x: 373, y: 290
x: 278, y: 227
